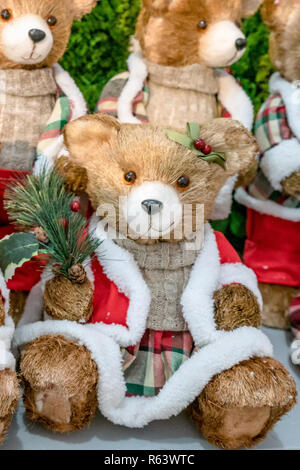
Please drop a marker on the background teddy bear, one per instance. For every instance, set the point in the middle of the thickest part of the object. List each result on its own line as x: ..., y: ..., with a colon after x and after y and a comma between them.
x: 173, y: 79
x: 37, y: 98
x: 150, y: 290
x: 272, y: 247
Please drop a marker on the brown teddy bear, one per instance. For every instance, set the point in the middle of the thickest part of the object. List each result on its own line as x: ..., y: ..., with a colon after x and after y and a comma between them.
x: 37, y: 98
x: 173, y: 321
x: 174, y: 75
x: 273, y: 200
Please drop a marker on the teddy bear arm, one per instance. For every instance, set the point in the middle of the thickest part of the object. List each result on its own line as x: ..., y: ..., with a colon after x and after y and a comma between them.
x: 291, y: 185
x: 247, y: 176
x: 236, y: 306
x: 64, y: 300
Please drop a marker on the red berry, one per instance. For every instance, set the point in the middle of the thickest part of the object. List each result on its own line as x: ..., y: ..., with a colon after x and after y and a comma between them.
x: 75, y: 206
x: 207, y: 150
x: 199, y: 144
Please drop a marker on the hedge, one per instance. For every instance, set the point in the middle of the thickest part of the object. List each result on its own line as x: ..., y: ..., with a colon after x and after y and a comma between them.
x: 99, y: 43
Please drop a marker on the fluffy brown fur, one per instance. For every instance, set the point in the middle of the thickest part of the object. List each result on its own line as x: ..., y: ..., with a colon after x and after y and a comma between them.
x: 75, y: 177
x: 283, y: 20
x: 167, y: 29
x: 9, y: 397
x: 277, y: 300
x: 236, y: 306
x: 17, y: 304
x: 107, y: 150
x: 2, y: 313
x: 64, y: 10
x: 291, y: 185
x: 66, y: 301
x: 62, y: 377
x: 257, y: 392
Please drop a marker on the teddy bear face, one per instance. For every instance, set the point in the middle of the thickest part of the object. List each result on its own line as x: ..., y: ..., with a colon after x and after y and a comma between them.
x: 185, y: 32
x: 35, y: 33
x: 283, y: 18
x: 147, y: 186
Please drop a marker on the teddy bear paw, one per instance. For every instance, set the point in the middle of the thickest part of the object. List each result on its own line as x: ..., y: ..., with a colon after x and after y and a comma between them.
x: 9, y: 397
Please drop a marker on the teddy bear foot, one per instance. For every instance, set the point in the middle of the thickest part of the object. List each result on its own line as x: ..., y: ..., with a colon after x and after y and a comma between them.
x: 60, y: 384
x: 9, y: 397
x: 277, y: 300
x: 238, y: 407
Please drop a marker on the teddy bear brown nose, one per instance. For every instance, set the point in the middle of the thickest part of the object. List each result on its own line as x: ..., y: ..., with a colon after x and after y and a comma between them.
x: 241, y: 43
x: 151, y: 206
x: 37, y: 35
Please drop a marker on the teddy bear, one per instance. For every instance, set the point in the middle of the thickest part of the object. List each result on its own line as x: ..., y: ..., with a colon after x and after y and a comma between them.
x: 9, y: 387
x: 37, y: 98
x: 174, y: 75
x: 166, y: 316
x: 273, y: 199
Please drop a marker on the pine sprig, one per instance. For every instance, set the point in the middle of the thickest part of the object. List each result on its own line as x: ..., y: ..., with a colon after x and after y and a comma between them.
x: 43, y: 202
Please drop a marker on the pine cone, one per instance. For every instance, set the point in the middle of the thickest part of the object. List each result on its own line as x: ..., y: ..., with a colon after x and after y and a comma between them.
x: 41, y: 235
x: 77, y: 274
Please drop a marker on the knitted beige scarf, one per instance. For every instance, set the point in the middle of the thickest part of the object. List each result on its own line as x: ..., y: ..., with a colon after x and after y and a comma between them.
x: 27, y: 99
x: 166, y: 268
x: 181, y: 94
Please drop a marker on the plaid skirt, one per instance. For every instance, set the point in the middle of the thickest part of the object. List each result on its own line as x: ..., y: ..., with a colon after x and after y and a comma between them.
x: 148, y: 365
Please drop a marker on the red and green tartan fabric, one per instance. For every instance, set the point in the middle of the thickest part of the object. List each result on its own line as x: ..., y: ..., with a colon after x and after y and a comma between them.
x: 271, y: 129
x: 149, y: 364
x: 108, y: 101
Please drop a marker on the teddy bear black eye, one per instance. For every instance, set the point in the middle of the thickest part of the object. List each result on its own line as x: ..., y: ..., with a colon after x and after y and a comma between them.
x: 183, y: 182
x: 130, y: 177
x: 6, y: 15
x: 52, y: 21
x: 202, y: 24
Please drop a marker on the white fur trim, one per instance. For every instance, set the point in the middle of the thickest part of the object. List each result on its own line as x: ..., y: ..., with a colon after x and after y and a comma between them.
x: 227, y: 350
x: 267, y: 207
x: 295, y: 352
x: 291, y: 98
x: 197, y: 299
x: 281, y: 161
x: 121, y: 268
x: 224, y: 200
x: 138, y: 74
x: 232, y: 273
x: 234, y: 99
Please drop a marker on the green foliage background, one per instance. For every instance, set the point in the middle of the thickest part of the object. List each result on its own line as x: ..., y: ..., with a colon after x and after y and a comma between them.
x: 99, y: 43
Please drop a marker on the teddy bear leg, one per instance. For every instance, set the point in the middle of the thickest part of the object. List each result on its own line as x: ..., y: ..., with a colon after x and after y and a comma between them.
x: 239, y: 406
x: 9, y: 397
x: 276, y: 301
x: 60, y: 383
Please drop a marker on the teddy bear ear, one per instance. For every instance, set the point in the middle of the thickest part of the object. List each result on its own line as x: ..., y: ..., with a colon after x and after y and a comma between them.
x: 82, y: 7
x: 249, y: 7
x: 232, y: 138
x: 85, y: 136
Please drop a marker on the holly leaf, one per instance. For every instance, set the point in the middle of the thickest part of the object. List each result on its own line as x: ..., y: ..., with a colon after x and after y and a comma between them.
x: 15, y: 250
x: 181, y: 139
x: 193, y: 130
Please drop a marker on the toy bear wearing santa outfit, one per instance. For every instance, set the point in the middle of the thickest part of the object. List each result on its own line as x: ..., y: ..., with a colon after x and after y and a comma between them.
x: 273, y: 200
x: 37, y: 98
x: 166, y: 317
